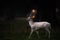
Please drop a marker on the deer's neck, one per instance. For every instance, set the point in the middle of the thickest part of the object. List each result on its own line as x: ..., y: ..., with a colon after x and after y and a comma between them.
x: 30, y: 22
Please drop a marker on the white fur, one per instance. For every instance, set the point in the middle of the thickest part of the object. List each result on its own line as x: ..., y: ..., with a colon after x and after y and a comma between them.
x: 37, y: 25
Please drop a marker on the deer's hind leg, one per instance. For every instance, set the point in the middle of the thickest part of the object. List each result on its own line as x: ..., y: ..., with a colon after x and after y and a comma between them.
x: 47, y: 29
x: 38, y: 34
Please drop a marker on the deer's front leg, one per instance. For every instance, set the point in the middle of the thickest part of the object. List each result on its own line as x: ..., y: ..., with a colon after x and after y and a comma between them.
x: 30, y: 33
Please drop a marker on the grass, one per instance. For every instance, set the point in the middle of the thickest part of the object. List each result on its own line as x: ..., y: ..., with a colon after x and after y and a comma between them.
x: 20, y: 30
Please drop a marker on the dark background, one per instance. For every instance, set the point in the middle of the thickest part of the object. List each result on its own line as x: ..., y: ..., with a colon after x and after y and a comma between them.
x: 9, y: 10
x: 21, y: 8
x: 47, y: 9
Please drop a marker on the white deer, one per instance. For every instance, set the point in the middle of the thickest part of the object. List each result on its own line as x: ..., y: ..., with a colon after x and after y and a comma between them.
x: 37, y: 25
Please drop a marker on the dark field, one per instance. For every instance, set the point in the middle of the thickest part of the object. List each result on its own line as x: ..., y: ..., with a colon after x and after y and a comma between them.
x: 20, y: 30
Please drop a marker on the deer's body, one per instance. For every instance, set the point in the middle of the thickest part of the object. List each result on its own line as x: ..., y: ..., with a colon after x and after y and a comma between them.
x: 37, y: 25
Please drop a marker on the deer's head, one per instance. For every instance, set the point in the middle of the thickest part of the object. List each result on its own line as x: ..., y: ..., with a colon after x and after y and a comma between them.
x: 30, y: 18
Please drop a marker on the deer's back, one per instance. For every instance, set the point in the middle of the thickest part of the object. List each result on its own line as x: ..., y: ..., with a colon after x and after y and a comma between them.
x: 41, y: 24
